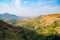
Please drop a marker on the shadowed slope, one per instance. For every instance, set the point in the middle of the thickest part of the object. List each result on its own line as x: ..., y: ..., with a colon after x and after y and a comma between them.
x: 9, y: 32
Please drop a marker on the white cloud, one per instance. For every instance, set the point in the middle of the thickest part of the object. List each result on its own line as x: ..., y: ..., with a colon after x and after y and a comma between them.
x: 24, y: 11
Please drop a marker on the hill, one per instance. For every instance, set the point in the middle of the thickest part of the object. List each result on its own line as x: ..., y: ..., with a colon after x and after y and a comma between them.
x: 46, y: 27
x: 9, y: 32
x: 44, y: 19
x: 49, y: 19
x: 42, y: 22
x: 10, y: 18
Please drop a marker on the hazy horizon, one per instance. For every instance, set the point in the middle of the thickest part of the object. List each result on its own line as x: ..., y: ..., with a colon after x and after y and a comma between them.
x: 29, y: 8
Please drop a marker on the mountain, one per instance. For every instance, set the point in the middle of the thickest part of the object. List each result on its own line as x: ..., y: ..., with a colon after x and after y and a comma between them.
x: 43, y: 22
x: 49, y: 19
x: 45, y: 27
x: 10, y: 18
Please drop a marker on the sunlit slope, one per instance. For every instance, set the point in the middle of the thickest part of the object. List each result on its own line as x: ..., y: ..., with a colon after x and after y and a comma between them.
x: 46, y: 22
x: 49, y: 19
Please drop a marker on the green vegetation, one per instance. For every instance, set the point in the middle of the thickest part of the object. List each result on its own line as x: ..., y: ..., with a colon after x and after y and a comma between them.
x: 43, y: 31
x: 36, y: 29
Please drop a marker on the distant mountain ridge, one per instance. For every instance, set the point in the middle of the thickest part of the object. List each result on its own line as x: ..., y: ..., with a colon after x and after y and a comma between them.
x: 8, y: 16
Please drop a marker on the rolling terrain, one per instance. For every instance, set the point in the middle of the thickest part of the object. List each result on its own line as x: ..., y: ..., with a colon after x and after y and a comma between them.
x: 42, y: 24
x: 45, y: 27
x: 10, y: 32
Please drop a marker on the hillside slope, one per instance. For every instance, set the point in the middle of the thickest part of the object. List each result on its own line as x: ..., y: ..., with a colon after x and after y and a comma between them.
x: 42, y: 22
x: 43, y: 19
x: 49, y: 19
x: 46, y: 27
x: 9, y: 32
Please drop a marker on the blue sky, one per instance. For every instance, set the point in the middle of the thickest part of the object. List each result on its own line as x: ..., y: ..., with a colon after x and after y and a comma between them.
x: 29, y: 7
